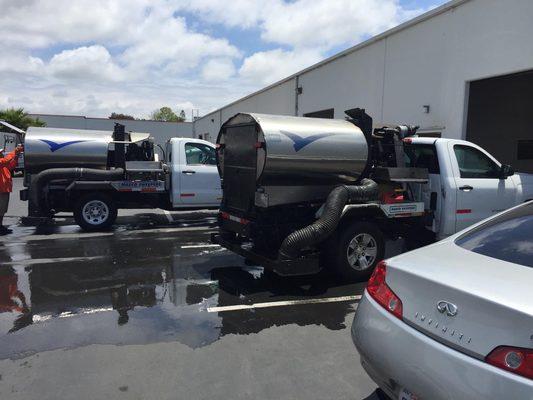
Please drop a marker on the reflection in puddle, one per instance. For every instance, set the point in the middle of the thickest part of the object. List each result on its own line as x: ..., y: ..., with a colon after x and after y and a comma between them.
x: 106, y: 290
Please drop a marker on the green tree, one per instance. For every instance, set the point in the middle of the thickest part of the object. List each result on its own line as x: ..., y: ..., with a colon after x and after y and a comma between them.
x: 20, y: 118
x: 121, y: 116
x: 166, y: 114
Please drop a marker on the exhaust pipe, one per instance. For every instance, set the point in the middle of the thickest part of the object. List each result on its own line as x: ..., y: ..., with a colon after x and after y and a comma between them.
x: 323, y: 227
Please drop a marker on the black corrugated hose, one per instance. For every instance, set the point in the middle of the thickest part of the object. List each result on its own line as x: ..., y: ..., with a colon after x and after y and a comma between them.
x: 42, y: 178
x: 323, y: 227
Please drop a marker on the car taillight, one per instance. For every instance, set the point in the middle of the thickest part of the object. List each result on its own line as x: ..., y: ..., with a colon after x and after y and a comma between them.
x: 377, y: 289
x: 513, y: 359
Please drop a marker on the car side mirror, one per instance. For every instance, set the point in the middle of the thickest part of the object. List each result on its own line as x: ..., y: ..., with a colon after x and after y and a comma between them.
x: 506, y: 171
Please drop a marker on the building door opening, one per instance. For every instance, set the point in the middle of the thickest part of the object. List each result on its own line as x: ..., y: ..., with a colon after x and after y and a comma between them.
x: 500, y: 118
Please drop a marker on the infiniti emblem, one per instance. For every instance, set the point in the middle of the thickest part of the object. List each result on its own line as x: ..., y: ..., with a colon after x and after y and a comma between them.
x: 447, y: 307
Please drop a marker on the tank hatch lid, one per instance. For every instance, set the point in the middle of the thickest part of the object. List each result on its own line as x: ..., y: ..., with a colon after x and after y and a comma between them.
x: 137, y: 137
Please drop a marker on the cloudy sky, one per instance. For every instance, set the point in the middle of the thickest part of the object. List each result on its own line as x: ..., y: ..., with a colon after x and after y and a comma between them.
x: 93, y: 57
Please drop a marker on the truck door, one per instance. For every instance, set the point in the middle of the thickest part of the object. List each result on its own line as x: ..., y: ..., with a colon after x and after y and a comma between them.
x: 480, y: 191
x: 199, y: 179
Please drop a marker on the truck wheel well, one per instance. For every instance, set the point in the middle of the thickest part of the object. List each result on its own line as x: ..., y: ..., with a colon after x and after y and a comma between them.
x: 372, y: 216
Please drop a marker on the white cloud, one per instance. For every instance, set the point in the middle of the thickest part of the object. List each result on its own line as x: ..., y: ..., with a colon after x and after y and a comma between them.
x: 323, y: 23
x: 218, y: 69
x: 20, y: 63
x: 97, y: 56
x: 93, y: 62
x: 235, y: 13
x: 304, y: 23
x: 269, y: 66
x: 165, y: 41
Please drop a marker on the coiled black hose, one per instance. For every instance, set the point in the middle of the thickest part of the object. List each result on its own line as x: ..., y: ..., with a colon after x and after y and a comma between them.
x: 329, y: 220
x: 42, y: 178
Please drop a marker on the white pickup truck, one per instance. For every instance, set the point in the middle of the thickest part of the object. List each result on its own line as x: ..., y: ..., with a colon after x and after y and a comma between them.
x: 435, y: 188
x: 470, y: 183
x: 184, y: 177
x: 191, y: 182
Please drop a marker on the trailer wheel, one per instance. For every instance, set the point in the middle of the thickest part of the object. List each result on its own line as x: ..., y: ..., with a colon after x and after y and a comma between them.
x: 95, y: 212
x: 360, y: 247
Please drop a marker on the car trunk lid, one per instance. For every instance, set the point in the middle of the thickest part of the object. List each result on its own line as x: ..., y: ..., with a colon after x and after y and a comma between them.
x: 465, y: 300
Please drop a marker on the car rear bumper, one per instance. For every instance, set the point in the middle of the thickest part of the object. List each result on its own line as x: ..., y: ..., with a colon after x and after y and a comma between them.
x: 397, y: 356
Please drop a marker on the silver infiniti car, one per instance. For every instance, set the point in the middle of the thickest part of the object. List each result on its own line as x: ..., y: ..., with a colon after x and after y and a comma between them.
x: 454, y: 320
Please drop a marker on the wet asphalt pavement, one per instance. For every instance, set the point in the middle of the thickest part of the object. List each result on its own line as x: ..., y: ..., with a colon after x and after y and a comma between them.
x: 154, y: 311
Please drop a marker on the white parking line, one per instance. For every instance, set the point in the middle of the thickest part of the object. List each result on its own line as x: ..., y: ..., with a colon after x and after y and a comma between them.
x: 199, y: 246
x: 283, y: 303
x: 169, y: 216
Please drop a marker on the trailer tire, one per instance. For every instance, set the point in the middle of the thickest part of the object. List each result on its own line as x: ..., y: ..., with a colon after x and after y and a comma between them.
x: 95, y: 212
x: 359, y: 238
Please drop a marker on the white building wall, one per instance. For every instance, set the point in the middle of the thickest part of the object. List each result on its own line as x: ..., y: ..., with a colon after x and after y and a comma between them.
x: 278, y: 100
x: 427, y: 63
x: 355, y: 80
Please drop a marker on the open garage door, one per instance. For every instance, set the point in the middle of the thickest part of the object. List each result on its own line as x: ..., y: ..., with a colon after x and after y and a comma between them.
x: 500, y: 118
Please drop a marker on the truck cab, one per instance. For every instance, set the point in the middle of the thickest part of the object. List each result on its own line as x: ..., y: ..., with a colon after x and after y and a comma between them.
x: 468, y: 183
x: 194, y: 179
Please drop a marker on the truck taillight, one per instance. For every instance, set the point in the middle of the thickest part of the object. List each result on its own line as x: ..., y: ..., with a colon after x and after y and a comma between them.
x: 378, y: 289
x: 513, y: 359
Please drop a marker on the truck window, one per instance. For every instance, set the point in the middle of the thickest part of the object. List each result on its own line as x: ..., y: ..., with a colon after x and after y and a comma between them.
x: 422, y: 156
x: 474, y: 164
x: 199, y: 154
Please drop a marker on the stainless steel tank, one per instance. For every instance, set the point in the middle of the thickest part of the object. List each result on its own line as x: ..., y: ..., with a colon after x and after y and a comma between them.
x: 295, y: 147
x: 56, y: 148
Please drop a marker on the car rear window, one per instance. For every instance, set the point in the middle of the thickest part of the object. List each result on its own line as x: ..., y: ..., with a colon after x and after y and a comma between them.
x: 508, y: 237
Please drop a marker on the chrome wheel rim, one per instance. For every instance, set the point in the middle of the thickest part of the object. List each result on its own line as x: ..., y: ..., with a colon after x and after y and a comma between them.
x: 362, y: 251
x: 95, y: 212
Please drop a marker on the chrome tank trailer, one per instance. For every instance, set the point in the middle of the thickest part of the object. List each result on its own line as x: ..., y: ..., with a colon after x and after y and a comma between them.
x: 269, y: 160
x: 304, y: 149
x: 46, y: 148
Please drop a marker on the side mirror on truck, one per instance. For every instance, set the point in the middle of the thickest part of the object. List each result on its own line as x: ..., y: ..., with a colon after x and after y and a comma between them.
x: 506, y: 171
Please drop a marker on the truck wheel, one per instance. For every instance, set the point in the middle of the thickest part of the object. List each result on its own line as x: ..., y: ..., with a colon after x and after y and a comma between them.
x: 360, y: 247
x: 95, y: 212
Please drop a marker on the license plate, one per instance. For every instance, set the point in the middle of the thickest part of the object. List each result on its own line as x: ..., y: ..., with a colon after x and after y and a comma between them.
x: 406, y: 395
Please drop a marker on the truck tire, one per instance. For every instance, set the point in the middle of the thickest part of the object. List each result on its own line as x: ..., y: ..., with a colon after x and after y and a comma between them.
x: 95, y: 212
x: 360, y: 247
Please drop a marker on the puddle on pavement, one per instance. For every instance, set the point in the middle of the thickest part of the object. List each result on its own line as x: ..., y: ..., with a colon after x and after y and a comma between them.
x: 64, y: 225
x: 136, y: 290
